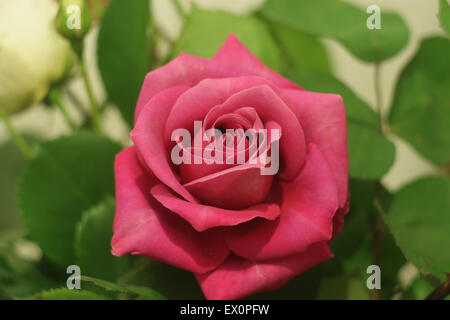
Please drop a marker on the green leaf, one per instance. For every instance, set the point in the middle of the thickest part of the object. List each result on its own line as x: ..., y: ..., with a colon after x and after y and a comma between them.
x: 345, y: 23
x: 205, y: 32
x: 419, y: 220
x: 92, y: 243
x: 371, y: 155
x: 444, y: 15
x: 302, y: 50
x: 173, y: 283
x: 142, y: 293
x: 66, y: 294
x: 124, y: 52
x: 391, y: 260
x: 12, y: 164
x: 353, y: 247
x: 357, y: 222
x: 68, y: 176
x: 420, y: 112
x: 342, y: 288
x: 304, y: 286
x: 419, y: 290
x: 20, y: 279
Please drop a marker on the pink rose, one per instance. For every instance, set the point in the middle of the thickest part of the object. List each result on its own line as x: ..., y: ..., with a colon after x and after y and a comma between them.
x: 239, y: 231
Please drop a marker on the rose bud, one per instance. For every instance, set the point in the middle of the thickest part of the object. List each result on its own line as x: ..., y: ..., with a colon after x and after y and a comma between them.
x: 32, y: 54
x: 73, y: 20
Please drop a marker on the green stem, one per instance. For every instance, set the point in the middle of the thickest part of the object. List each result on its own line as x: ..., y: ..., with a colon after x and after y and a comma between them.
x: 94, y: 106
x: 441, y: 292
x: 377, y: 234
x: 378, y: 95
x: 56, y: 99
x: 377, y: 223
x: 16, y: 136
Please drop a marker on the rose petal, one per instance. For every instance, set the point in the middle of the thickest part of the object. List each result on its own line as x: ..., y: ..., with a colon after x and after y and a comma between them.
x: 148, y: 138
x: 235, y: 54
x: 184, y: 70
x: 338, y: 220
x: 322, y: 117
x: 203, y: 217
x: 235, y: 188
x: 307, y: 209
x: 142, y: 226
x: 237, y: 278
x: 195, y: 103
x: 270, y: 107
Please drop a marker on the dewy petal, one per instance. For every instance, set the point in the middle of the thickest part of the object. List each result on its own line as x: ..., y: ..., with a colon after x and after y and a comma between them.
x: 235, y: 54
x: 308, y: 205
x: 149, y: 140
x: 237, y: 278
x: 143, y: 227
x: 184, y: 70
x: 234, y: 188
x: 203, y: 217
x: 322, y: 117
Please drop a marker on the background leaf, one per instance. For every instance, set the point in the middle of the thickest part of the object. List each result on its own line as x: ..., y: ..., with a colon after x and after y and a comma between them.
x: 19, y: 279
x: 371, y: 155
x: 302, y: 51
x: 342, y: 288
x: 68, y: 176
x: 143, y: 293
x: 12, y: 164
x: 343, y: 22
x: 171, y: 282
x: 123, y: 52
x: 444, y: 15
x: 205, y: 32
x: 66, y: 294
x: 419, y: 220
x: 420, y: 112
x: 93, y: 243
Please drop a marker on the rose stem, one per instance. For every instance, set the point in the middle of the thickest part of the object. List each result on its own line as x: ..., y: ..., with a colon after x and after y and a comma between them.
x: 442, y: 291
x: 94, y: 106
x: 377, y: 227
x: 16, y: 136
x: 56, y: 99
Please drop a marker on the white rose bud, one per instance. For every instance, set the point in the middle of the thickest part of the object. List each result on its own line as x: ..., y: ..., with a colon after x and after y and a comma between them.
x: 32, y: 54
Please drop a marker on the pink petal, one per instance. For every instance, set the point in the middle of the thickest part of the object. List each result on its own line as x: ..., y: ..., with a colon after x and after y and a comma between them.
x: 322, y: 117
x: 270, y: 107
x: 184, y: 70
x: 143, y: 227
x: 192, y: 171
x: 195, y: 103
x: 237, y: 278
x: 307, y: 209
x: 338, y: 220
x: 235, y: 188
x: 235, y: 54
x: 203, y: 217
x: 149, y: 140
